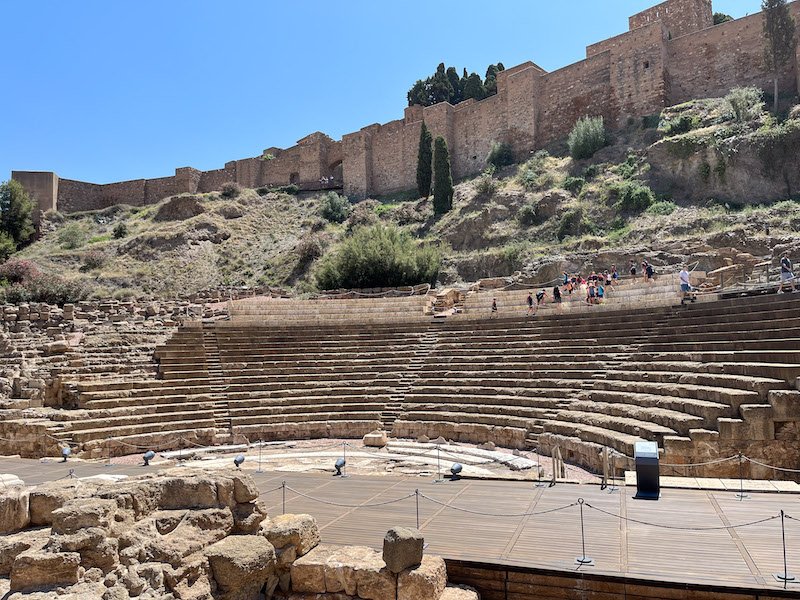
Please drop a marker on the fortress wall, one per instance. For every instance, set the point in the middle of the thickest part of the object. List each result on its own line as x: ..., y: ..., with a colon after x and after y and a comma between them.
x: 638, y: 72
x: 42, y: 187
x: 74, y: 196
x: 680, y: 17
x: 522, y: 88
x: 583, y: 88
x: 213, y: 180
x: 476, y: 125
x: 391, y: 156
x: 357, y: 162
x: 711, y: 62
x: 156, y: 189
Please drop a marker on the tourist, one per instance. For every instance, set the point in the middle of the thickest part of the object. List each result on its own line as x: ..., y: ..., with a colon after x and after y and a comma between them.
x: 530, y: 303
x: 556, y: 295
x: 787, y: 272
x: 600, y: 294
x: 494, y: 308
x: 608, y: 277
x: 650, y: 272
x: 566, y: 278
x: 686, y: 287
x: 540, y: 296
x: 633, y: 269
x: 590, y: 293
x: 614, y: 275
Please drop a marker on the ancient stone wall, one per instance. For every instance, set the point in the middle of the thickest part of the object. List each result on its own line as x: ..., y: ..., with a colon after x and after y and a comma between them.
x: 678, y: 16
x: 670, y: 54
x: 731, y: 54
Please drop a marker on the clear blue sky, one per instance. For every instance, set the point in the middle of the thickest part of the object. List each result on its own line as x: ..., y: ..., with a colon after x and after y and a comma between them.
x: 105, y: 91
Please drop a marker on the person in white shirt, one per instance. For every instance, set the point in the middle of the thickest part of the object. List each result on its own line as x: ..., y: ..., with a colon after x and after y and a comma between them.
x: 686, y: 287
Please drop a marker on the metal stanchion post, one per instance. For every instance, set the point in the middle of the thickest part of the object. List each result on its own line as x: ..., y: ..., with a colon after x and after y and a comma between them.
x: 260, y: 446
x: 416, y: 495
x: 539, y: 469
x: 613, y: 487
x: 784, y: 577
x: 344, y: 455
x: 741, y: 495
x: 439, y: 478
x: 583, y: 560
x: 283, y: 489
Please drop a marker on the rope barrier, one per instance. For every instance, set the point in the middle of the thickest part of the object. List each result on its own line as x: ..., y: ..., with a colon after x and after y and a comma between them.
x: 784, y: 469
x: 362, y: 505
x: 680, y: 528
x: 701, y: 464
x: 488, y: 514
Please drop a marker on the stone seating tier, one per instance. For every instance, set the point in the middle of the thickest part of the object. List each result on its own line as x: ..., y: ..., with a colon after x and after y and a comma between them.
x: 584, y: 377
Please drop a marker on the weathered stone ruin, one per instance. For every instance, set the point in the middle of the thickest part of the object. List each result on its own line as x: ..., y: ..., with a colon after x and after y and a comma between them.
x: 182, y: 534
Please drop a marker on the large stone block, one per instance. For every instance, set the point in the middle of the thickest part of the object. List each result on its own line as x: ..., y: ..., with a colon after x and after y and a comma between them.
x: 376, y: 439
x: 83, y: 513
x: 300, y: 531
x: 459, y: 592
x: 14, y: 509
x: 42, y: 569
x: 241, y: 565
x: 402, y: 548
x: 13, y: 545
x: 425, y: 581
x: 354, y: 570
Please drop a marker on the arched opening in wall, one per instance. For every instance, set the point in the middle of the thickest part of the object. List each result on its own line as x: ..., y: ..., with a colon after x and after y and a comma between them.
x: 336, y: 172
x: 294, y: 177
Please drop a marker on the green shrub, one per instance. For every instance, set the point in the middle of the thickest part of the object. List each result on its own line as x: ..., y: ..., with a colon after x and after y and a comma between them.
x: 120, y: 231
x: 591, y: 172
x: 379, y: 256
x: 71, y: 236
x: 362, y: 215
x: 290, y: 189
x: 308, y: 249
x: 527, y: 215
x: 96, y: 239
x: 574, y: 184
x: 231, y: 189
x: 587, y: 137
x: 94, y: 259
x: 486, y: 185
x: 16, y: 208
x: 663, y: 207
x: 631, y: 196
x: 630, y: 167
x: 651, y: 121
x: 334, y: 208
x: 530, y: 174
x: 7, y: 246
x: 51, y: 289
x: 571, y: 223
x: 500, y: 155
x: 746, y: 104
x: 17, y: 271
x: 682, y: 123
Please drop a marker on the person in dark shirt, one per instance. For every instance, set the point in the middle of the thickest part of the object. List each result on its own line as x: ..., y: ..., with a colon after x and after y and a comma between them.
x: 530, y: 303
x: 557, y: 294
x: 787, y: 272
x: 494, y: 308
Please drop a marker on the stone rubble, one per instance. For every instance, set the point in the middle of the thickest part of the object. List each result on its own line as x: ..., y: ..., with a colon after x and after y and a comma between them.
x: 181, y: 534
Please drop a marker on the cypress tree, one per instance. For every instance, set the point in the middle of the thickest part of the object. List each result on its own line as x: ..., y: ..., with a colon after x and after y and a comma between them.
x: 778, y: 38
x: 473, y: 88
x: 442, y: 178
x: 424, y: 160
x: 16, y: 209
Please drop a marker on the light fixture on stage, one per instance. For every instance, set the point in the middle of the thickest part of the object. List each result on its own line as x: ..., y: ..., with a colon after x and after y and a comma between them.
x: 455, y: 472
x: 65, y: 452
x: 238, y: 460
x: 340, y: 463
x: 147, y: 457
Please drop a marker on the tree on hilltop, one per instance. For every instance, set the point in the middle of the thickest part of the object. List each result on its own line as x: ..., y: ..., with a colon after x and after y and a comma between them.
x: 490, y: 83
x: 455, y: 83
x: 779, y: 42
x: 424, y: 162
x: 442, y: 178
x: 16, y: 210
x: 446, y: 86
x: 720, y: 18
x: 473, y: 88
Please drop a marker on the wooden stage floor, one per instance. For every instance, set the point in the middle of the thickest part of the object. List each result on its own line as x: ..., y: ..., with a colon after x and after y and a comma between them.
x: 685, y: 536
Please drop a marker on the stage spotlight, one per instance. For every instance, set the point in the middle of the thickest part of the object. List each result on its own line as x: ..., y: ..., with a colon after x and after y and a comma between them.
x: 65, y: 452
x: 455, y: 472
x: 340, y: 463
x: 148, y: 456
x: 238, y: 460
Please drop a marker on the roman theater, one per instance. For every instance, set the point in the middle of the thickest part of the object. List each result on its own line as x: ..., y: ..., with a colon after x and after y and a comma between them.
x: 247, y: 442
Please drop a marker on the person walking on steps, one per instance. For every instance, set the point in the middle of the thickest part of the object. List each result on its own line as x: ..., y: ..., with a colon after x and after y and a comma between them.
x: 494, y: 308
x: 787, y: 272
x: 686, y: 287
x: 530, y: 303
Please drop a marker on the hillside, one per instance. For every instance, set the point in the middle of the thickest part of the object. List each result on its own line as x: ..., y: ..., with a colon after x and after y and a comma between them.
x: 686, y: 185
